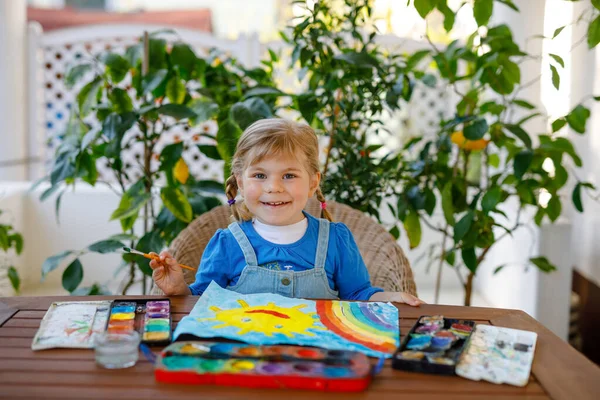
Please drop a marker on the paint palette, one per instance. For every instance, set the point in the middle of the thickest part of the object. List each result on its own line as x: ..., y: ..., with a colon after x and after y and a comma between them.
x: 237, y: 364
x: 151, y: 318
x: 434, y: 345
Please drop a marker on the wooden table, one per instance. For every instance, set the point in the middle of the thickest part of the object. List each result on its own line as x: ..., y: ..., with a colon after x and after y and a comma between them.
x: 559, y: 371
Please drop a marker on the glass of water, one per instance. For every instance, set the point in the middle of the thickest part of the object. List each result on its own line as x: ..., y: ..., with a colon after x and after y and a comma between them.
x: 117, y: 350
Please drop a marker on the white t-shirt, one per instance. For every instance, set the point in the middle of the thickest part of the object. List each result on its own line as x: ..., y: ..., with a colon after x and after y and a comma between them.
x: 285, y: 234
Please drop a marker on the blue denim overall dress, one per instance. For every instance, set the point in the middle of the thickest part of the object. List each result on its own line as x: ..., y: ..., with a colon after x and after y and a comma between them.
x: 308, y: 284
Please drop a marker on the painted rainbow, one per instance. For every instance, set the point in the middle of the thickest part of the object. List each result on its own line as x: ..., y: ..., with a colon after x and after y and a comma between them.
x: 359, y: 323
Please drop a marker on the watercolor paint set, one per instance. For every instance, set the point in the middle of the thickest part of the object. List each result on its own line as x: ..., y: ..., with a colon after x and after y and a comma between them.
x: 274, y: 366
x: 434, y: 345
x: 151, y: 318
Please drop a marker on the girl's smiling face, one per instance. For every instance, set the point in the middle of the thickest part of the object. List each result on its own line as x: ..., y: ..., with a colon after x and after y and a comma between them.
x: 276, y: 189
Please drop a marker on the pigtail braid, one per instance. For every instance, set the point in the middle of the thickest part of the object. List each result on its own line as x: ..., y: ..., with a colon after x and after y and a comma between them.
x: 239, y: 211
x: 231, y: 190
x: 324, y: 211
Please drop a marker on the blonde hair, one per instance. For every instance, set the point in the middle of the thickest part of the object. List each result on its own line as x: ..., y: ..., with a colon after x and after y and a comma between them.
x: 268, y: 137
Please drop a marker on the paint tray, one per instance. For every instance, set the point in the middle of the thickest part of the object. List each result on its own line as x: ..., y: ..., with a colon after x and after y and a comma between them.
x: 71, y: 324
x: 273, y: 366
x: 151, y: 318
x: 498, y: 355
x: 434, y: 345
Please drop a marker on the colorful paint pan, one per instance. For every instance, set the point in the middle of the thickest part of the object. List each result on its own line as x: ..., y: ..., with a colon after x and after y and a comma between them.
x: 441, y: 343
x: 461, y: 330
x: 419, y: 342
x: 428, y: 329
x: 411, y: 355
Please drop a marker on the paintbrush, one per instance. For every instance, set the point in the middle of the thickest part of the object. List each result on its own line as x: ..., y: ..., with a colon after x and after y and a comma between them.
x: 153, y: 257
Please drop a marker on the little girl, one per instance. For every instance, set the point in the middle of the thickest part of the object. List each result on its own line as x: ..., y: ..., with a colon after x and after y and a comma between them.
x: 273, y: 246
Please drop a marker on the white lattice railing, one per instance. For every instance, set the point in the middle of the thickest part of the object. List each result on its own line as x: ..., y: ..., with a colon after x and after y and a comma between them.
x: 50, y: 102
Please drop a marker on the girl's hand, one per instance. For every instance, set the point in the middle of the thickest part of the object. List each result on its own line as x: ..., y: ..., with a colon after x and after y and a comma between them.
x: 168, y: 275
x: 397, y: 297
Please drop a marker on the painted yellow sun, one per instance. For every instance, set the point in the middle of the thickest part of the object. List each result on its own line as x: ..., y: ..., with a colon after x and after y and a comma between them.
x: 267, y: 319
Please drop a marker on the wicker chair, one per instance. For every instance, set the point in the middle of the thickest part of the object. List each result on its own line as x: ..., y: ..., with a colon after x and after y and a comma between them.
x: 388, y: 266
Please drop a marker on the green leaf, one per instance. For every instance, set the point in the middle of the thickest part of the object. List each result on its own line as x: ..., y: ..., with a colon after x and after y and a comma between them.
x: 227, y: 138
x: 183, y: 56
x: 450, y: 257
x: 509, y: 3
x: 308, y: 105
x: 210, y: 151
x: 491, y: 198
x: 596, y: 4
x: 524, y: 104
x: 360, y: 60
x: 577, y: 118
x: 204, y: 108
x: 522, y: 162
x: 153, y: 80
x: 482, y: 11
x: 424, y: 7
x: 52, y: 262
x: 134, y: 54
x: 462, y: 227
x: 558, y: 59
x: 177, y: 111
x: 263, y: 91
x: 395, y: 232
x: 494, y: 160
x: 170, y: 155
x: 249, y: 111
x: 593, y: 33
x: 429, y: 80
x: 577, y: 197
x: 120, y: 100
x: 470, y: 259
x: 412, y: 224
x: 130, y: 205
x: 106, y: 246
x: 557, y: 31
x: 543, y: 264
x: 554, y: 208
x: 555, y: 77
x: 415, y: 58
x: 64, y: 167
x: 72, y: 276
x: 449, y: 15
x: 116, y: 67
x: 86, y: 98
x: 176, y: 90
x: 75, y: 73
x: 498, y: 269
x: 18, y: 242
x: 157, y: 53
x: 476, y: 129
x: 520, y: 133
x: 558, y: 124
x: 447, y: 205
x: 177, y: 203
x: 13, y: 276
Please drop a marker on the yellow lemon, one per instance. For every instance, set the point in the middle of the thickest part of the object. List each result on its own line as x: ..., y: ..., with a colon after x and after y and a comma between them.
x: 459, y: 139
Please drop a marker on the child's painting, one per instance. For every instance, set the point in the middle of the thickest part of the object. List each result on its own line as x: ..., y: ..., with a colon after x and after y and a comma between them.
x: 71, y: 324
x: 266, y: 318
